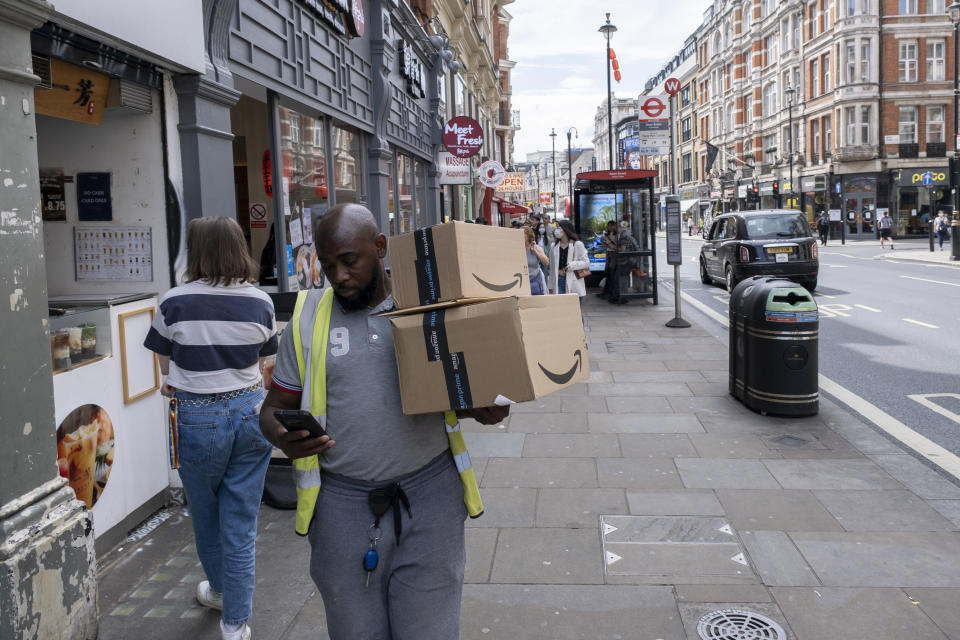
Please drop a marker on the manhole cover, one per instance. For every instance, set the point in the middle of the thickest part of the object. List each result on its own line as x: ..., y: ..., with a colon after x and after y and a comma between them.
x: 790, y: 441
x: 736, y: 624
x: 633, y: 347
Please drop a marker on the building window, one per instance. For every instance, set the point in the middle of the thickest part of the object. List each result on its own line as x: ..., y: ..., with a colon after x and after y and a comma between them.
x: 908, y: 61
x: 850, y: 115
x: 827, y: 135
x: 864, y: 7
x: 731, y: 116
x: 685, y: 96
x: 865, y: 61
x: 771, y: 50
x: 936, y: 6
x: 935, y: 60
x: 814, y: 78
x: 770, y: 149
x: 747, y: 13
x: 935, y: 128
x: 687, y: 167
x: 770, y: 99
x: 851, y: 66
x: 826, y: 73
x: 796, y: 31
x: 815, y: 18
x: 769, y: 7
x: 748, y: 63
x: 815, y: 148
x: 908, y: 6
x: 908, y: 125
x: 685, y: 133
x: 865, y: 118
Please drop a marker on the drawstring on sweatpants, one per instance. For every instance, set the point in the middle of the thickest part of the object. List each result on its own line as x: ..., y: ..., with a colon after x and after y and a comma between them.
x: 382, y: 498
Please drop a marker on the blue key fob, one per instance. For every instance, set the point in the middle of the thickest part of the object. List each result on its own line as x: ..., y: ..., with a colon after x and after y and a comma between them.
x: 370, y: 559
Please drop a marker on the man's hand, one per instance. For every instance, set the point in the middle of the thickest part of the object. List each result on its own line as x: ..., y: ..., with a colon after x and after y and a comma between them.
x: 485, y: 415
x: 295, y: 444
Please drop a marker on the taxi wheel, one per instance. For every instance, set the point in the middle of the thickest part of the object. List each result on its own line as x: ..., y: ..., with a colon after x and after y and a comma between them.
x: 731, y: 280
x: 704, y: 276
x: 810, y: 285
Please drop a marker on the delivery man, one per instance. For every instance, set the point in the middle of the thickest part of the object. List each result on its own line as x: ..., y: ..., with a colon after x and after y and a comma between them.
x: 383, y: 496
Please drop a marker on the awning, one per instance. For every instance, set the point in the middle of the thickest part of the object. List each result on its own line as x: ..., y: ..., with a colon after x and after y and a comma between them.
x: 686, y: 205
x: 512, y: 208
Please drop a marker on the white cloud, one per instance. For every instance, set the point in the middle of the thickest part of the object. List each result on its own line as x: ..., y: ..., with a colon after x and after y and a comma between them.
x: 560, y: 77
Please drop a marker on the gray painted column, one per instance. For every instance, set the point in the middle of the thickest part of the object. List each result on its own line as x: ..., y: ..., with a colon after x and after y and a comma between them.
x: 383, y: 55
x: 47, y: 560
x: 206, y: 140
x: 436, y: 137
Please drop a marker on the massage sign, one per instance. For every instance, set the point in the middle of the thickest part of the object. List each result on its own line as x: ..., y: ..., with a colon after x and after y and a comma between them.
x: 463, y: 136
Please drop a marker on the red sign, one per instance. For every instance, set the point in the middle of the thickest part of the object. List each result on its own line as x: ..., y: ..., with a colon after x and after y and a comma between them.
x: 653, y: 107
x: 463, y: 136
x: 267, y: 176
x: 355, y: 20
x: 628, y: 174
x: 544, y: 198
x: 671, y: 85
x: 258, y: 211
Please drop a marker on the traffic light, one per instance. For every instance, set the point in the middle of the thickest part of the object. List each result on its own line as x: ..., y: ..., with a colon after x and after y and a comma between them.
x: 753, y: 193
x: 615, y: 64
x: 776, y: 188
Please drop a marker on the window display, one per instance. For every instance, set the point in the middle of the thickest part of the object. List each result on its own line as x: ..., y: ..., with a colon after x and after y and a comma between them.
x: 347, y: 164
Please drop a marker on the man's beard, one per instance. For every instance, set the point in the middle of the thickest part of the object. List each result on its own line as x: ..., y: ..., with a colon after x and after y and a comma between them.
x: 363, y: 298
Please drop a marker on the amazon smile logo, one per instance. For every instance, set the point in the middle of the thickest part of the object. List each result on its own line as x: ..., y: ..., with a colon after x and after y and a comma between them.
x: 499, y: 287
x: 566, y: 376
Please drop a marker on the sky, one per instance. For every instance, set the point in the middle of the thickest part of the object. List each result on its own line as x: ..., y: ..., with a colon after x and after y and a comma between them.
x: 560, y: 78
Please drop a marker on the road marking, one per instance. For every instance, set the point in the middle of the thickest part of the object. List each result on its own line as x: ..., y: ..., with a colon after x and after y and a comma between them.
x: 834, y: 310
x: 924, y: 399
x: 922, y: 324
x: 951, y: 284
x: 847, y: 255
x: 835, y: 266
x: 823, y: 295
x: 883, y: 420
x: 863, y: 306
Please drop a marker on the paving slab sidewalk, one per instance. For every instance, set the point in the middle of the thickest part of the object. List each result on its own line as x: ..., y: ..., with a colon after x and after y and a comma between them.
x: 629, y: 507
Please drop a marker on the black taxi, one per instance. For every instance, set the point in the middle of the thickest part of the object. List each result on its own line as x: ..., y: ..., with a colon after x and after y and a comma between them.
x: 767, y: 242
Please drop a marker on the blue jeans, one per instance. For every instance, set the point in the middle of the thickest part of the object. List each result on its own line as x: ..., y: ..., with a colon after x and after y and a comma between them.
x: 223, y: 463
x: 561, y: 283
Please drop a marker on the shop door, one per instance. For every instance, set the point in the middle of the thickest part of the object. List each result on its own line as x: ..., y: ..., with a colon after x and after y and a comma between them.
x: 860, y: 217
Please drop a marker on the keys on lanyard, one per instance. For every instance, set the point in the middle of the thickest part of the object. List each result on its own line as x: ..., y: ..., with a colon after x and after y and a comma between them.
x: 371, y: 557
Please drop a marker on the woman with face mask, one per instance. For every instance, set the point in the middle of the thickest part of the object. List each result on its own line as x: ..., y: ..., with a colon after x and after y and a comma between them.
x: 536, y: 259
x: 567, y: 257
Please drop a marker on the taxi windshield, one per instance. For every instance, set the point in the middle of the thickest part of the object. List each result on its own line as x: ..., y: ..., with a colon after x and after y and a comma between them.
x: 776, y: 226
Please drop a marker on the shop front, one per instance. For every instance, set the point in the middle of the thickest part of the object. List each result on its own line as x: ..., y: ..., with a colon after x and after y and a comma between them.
x: 768, y: 199
x: 918, y: 194
x: 305, y: 142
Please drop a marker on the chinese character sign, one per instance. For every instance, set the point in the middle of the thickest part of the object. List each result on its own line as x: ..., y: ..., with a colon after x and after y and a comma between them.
x: 75, y: 93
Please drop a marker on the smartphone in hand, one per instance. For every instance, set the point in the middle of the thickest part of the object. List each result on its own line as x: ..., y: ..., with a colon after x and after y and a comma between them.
x: 299, y: 420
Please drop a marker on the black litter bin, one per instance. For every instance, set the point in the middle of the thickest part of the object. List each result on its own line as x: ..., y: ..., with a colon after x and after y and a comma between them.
x: 774, y: 343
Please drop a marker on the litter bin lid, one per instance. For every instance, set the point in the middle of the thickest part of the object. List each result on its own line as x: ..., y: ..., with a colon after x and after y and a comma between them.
x: 790, y: 304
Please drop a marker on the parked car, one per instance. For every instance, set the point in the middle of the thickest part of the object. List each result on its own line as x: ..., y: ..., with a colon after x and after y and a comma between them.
x: 771, y: 242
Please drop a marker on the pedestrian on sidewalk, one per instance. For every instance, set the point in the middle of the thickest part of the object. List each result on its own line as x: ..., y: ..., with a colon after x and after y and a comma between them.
x: 623, y: 265
x: 823, y: 226
x: 384, y: 514
x: 942, y: 226
x: 212, y: 335
x: 885, y: 224
x: 536, y: 259
x: 690, y: 226
x: 568, y: 256
x: 609, y: 240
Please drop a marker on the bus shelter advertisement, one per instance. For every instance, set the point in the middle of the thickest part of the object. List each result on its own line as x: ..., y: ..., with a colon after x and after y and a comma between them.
x: 596, y: 209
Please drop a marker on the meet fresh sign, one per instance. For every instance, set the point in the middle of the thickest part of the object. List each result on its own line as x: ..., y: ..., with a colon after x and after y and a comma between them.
x: 463, y: 136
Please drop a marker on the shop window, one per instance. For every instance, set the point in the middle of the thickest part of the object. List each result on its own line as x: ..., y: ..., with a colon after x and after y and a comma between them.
x: 347, y: 164
x: 391, y: 195
x: 303, y: 154
x: 420, y: 171
x: 404, y: 200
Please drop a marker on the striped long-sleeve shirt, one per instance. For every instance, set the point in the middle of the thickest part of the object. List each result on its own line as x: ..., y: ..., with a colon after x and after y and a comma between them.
x: 213, y: 335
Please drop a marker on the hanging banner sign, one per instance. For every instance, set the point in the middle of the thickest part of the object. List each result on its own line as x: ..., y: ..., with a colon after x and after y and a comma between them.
x: 267, y: 175
x: 75, y: 93
x: 463, y: 136
x: 453, y: 170
x: 512, y: 182
x: 492, y: 173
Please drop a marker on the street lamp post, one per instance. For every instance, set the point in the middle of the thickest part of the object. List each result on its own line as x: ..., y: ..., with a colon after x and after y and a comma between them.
x: 954, y: 11
x: 553, y: 152
x: 790, y: 91
x: 570, y: 166
x: 608, y: 30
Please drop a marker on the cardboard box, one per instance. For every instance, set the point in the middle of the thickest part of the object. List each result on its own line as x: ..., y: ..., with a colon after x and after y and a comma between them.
x: 456, y: 261
x: 485, y: 353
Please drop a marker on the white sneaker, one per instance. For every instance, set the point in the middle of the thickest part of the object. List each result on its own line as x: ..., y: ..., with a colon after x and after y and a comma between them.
x: 243, y: 633
x: 208, y: 597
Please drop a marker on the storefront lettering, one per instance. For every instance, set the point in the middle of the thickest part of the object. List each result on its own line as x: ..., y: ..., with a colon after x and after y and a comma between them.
x: 463, y: 136
x: 412, y: 69
x: 917, y: 177
x: 345, y: 16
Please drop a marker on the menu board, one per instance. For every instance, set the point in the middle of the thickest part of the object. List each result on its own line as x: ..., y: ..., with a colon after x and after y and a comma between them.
x: 113, y: 253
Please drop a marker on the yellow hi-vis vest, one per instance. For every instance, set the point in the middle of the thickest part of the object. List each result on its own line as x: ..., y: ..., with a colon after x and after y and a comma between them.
x: 307, y: 470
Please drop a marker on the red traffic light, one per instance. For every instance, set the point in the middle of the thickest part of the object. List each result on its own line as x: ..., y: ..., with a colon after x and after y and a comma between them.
x: 776, y: 188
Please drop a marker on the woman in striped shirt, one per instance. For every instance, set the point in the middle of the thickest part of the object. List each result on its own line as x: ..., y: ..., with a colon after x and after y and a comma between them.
x: 211, y: 335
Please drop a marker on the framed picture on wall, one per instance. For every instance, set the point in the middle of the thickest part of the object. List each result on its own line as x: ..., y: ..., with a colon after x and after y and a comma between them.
x: 139, y: 366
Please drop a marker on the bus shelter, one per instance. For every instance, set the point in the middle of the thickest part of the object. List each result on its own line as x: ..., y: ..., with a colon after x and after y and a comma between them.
x: 626, y: 198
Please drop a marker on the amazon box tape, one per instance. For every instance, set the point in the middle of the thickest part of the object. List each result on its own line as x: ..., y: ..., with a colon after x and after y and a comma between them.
x: 456, y: 261
x: 490, y: 352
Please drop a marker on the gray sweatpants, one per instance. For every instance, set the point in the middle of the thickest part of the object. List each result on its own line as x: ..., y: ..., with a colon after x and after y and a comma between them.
x: 415, y: 591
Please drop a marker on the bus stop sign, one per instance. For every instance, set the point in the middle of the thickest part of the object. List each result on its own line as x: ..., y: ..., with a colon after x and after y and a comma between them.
x: 674, y: 250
